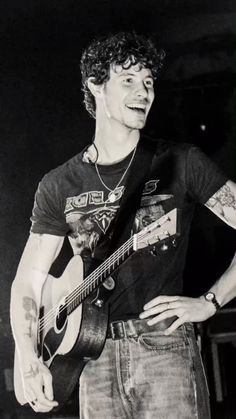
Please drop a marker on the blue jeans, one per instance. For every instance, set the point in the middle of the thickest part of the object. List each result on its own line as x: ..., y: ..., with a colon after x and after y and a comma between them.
x: 147, y: 376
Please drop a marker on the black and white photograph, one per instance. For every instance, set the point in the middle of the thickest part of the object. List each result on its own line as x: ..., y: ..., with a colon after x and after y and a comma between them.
x: 118, y: 209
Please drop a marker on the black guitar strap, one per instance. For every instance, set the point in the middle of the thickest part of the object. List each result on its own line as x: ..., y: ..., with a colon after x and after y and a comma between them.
x: 131, y: 199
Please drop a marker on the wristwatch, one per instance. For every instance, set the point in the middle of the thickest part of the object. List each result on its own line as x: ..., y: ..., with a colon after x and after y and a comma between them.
x: 210, y: 297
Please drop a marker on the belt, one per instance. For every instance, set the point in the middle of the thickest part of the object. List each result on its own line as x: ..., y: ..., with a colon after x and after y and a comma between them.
x: 121, y: 329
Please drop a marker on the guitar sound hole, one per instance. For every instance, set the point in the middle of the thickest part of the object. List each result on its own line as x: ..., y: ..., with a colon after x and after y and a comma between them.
x: 61, y: 317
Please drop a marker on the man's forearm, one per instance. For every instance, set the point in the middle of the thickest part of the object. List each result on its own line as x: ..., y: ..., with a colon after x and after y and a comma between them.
x: 24, y: 319
x: 39, y: 253
x: 24, y: 310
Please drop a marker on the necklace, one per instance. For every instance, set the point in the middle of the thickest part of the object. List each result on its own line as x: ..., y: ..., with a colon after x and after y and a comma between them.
x: 112, y: 192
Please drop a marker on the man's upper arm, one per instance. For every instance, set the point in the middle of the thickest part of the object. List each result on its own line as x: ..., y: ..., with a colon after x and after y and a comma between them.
x: 223, y: 203
x: 39, y: 253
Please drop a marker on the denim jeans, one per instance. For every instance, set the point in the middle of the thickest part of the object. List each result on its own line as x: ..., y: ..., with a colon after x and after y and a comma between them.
x: 149, y: 376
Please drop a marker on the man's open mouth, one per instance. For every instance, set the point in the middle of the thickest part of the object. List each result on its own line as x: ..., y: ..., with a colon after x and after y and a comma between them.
x: 138, y: 107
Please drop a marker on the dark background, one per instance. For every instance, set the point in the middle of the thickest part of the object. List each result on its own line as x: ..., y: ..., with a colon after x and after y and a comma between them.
x: 43, y: 123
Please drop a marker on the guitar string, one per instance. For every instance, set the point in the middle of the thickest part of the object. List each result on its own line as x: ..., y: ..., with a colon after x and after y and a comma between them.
x: 88, y: 282
x: 80, y: 289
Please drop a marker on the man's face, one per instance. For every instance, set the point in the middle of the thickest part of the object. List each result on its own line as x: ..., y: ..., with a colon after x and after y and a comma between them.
x: 128, y: 95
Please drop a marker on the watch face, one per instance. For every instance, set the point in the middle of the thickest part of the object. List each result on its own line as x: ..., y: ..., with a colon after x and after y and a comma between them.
x: 210, y: 296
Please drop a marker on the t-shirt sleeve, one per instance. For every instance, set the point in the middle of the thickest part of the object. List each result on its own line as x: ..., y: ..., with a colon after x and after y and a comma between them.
x: 203, y: 177
x: 48, y: 213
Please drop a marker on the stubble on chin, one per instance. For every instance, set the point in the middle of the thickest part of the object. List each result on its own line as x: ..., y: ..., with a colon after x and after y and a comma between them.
x: 137, y: 124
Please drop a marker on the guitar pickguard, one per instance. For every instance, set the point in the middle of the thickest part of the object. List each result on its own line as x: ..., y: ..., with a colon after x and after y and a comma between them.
x: 50, y: 343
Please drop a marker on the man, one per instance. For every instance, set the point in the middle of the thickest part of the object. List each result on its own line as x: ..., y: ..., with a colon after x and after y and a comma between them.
x: 150, y: 365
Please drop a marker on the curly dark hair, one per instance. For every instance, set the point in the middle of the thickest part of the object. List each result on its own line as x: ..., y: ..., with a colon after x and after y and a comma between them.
x: 125, y: 49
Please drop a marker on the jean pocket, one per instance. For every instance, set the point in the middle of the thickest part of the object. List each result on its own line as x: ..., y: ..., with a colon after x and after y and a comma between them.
x: 158, y: 342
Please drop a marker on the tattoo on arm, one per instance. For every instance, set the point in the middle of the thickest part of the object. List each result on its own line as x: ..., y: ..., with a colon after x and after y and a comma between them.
x: 31, y: 312
x: 31, y: 373
x: 223, y: 198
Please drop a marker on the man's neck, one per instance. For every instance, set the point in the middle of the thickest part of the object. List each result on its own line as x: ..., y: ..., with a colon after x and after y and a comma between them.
x: 114, y: 145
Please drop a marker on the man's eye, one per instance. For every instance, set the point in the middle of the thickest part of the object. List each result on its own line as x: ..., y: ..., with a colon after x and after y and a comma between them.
x: 128, y: 80
x: 149, y: 83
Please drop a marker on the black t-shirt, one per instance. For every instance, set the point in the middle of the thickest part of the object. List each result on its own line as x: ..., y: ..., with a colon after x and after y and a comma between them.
x: 71, y: 200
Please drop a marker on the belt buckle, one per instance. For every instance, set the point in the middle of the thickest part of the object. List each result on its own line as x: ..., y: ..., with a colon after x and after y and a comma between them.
x: 114, y: 334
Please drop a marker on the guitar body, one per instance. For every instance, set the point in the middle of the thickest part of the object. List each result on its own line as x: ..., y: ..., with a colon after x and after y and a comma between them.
x: 67, y: 341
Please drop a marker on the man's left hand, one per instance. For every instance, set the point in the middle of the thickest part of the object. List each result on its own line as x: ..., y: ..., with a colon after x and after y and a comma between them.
x: 185, y: 308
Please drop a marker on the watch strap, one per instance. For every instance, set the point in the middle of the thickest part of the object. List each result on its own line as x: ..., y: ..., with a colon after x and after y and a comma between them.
x: 212, y: 299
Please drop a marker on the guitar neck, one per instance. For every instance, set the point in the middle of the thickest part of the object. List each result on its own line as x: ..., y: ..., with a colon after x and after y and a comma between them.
x: 100, y: 274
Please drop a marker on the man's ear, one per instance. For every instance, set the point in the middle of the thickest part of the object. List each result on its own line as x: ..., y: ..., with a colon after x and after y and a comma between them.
x: 95, y: 89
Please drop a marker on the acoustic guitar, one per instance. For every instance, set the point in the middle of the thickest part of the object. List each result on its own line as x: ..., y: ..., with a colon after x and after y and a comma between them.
x: 73, y: 319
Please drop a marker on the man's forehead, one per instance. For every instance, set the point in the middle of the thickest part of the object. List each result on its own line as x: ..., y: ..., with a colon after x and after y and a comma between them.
x: 128, y: 68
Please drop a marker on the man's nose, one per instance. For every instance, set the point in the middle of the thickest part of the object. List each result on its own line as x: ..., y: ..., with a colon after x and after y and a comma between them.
x: 142, y: 90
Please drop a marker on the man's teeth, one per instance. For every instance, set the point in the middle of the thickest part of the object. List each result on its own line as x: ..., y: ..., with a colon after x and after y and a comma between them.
x: 137, y: 106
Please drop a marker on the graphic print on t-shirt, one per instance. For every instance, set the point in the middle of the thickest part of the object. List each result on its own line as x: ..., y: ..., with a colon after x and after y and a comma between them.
x: 89, y: 215
x: 151, y: 210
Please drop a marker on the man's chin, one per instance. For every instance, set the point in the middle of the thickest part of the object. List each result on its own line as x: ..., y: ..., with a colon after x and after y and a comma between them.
x: 136, y: 124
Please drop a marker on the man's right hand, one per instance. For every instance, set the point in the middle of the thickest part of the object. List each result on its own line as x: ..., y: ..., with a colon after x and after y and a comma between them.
x: 38, y: 390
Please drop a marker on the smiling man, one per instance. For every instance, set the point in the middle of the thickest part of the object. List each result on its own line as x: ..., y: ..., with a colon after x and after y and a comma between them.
x: 150, y: 365
x: 127, y: 96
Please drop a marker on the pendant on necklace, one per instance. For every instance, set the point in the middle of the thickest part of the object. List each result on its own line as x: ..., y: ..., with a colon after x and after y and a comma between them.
x: 111, y: 197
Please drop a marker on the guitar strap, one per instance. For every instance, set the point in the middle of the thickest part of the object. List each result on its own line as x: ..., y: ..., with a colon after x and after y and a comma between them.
x: 130, y: 201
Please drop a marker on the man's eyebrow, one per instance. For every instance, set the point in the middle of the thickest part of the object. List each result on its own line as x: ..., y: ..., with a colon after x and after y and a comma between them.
x: 127, y: 73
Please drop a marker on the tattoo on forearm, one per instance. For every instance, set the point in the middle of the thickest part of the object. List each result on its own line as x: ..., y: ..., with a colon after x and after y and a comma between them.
x: 31, y: 312
x: 223, y: 198
x: 31, y: 373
